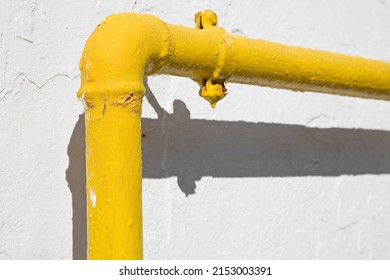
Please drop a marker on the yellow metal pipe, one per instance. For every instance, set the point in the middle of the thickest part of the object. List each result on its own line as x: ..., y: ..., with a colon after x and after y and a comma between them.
x: 127, y: 47
x: 114, y: 203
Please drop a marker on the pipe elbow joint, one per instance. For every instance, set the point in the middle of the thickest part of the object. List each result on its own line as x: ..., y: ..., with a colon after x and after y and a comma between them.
x: 119, y: 53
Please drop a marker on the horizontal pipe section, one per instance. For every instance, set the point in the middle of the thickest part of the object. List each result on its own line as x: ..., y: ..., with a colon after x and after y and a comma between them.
x: 258, y: 62
x: 301, y: 69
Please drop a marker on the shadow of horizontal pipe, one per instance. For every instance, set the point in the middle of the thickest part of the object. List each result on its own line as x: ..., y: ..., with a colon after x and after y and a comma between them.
x: 180, y: 145
x: 176, y: 145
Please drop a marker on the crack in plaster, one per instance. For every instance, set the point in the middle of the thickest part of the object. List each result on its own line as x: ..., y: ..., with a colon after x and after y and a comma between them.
x: 25, y: 39
x: 23, y: 75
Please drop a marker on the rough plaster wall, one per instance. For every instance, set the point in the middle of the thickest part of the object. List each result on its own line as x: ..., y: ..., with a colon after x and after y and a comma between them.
x: 268, y: 174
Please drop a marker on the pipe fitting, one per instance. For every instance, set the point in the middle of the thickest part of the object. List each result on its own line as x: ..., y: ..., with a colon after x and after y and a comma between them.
x: 213, y: 89
x: 206, y: 19
x: 119, y: 53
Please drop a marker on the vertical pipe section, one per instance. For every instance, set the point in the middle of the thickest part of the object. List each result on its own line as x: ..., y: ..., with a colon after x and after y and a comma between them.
x: 115, y: 59
x: 114, y: 173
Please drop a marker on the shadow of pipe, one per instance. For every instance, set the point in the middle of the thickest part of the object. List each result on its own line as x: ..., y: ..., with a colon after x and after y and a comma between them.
x: 176, y: 145
x: 75, y: 176
x: 190, y: 149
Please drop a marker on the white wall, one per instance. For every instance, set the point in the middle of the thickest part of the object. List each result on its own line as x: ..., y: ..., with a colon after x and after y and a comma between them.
x: 268, y: 174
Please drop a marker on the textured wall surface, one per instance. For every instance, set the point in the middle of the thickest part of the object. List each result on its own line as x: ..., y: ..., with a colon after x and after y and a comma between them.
x: 268, y: 174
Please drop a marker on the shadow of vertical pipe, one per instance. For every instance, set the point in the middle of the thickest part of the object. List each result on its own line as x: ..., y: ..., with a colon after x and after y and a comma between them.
x: 75, y: 176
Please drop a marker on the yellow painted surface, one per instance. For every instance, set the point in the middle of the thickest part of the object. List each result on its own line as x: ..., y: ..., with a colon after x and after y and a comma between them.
x: 112, y: 91
x: 127, y: 47
x: 114, y: 174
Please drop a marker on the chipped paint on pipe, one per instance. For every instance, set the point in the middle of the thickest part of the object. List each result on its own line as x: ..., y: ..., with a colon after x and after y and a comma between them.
x: 126, y: 47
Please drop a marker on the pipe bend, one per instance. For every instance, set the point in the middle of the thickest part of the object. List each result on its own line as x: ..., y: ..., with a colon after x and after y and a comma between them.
x: 120, y: 51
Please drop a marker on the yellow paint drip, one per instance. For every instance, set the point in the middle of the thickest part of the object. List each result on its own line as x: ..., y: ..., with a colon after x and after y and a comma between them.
x: 126, y: 47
